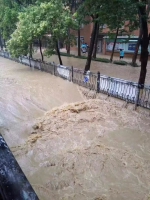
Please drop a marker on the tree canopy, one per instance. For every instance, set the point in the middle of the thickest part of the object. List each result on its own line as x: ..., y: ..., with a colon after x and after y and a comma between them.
x: 39, y: 20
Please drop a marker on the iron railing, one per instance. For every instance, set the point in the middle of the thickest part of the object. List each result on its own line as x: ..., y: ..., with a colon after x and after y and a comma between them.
x: 115, y: 87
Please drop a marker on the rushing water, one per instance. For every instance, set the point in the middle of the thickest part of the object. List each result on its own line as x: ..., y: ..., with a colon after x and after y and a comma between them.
x: 25, y: 95
x: 85, y: 151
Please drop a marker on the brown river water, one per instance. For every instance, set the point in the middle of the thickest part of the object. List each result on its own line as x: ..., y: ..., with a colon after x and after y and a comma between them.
x: 89, y: 150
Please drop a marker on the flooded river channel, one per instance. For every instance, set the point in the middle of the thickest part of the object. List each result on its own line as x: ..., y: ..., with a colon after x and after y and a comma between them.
x: 25, y: 95
x: 71, y: 148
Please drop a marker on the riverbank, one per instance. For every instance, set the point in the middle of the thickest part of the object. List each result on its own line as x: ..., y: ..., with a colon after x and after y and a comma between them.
x: 88, y: 150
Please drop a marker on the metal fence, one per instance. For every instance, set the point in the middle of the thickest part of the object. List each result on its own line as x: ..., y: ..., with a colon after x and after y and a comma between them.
x: 122, y: 89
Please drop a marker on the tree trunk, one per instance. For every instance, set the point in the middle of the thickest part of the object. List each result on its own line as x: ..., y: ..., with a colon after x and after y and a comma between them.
x: 136, y: 49
x: 40, y: 45
x: 89, y: 58
x: 4, y: 43
x: 79, y: 43
x: 96, y: 41
x: 138, y: 44
x: 144, y: 45
x: 58, y: 53
x: 30, y: 53
x: 68, y: 43
x: 112, y: 53
x: 1, y: 42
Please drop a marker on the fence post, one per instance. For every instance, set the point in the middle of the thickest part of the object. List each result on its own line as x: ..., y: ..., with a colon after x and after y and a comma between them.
x: 98, y: 82
x: 72, y: 73
x: 54, y: 67
x: 40, y: 62
x: 137, y: 95
x: 29, y: 62
x: 21, y: 59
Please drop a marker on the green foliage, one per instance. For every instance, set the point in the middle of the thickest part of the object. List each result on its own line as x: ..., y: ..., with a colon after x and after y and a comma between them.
x: 81, y: 57
x: 50, y: 18
x: 122, y: 14
x: 8, y: 18
x: 105, y: 60
x: 66, y: 54
x: 120, y: 62
x: 134, y: 65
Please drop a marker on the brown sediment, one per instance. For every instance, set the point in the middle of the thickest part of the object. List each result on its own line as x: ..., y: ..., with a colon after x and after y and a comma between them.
x: 89, y: 150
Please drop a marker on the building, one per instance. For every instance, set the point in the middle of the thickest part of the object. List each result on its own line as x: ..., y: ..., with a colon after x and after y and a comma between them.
x: 105, y: 43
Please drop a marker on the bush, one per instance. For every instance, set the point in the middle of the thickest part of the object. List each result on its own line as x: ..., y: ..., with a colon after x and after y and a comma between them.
x: 120, y: 62
x: 66, y: 54
x: 81, y: 57
x: 134, y: 65
x: 105, y: 60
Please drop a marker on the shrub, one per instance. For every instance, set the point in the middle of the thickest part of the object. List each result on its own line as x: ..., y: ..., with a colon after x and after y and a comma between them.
x: 120, y: 62
x: 134, y: 65
x: 105, y: 60
x: 81, y: 57
x: 66, y: 54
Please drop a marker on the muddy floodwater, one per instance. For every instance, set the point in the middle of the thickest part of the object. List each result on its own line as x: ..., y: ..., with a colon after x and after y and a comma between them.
x: 25, y: 95
x: 71, y: 148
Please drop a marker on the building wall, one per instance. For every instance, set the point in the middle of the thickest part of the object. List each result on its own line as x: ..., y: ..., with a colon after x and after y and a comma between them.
x: 85, y: 32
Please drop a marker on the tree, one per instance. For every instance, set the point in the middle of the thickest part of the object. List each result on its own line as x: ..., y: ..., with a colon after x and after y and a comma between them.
x: 99, y: 11
x: 140, y: 36
x: 138, y: 43
x: 144, y: 43
x: 37, y: 21
x: 8, y: 18
x: 119, y: 15
x: 93, y: 36
x: 90, y: 9
x: 96, y: 41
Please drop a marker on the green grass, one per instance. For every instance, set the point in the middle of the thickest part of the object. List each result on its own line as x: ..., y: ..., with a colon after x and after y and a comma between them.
x: 120, y: 62
x: 81, y: 57
x: 66, y: 54
x: 135, y: 65
x: 105, y: 60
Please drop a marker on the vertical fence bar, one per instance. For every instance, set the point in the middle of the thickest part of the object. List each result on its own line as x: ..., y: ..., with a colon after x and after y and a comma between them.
x: 54, y: 67
x: 137, y: 96
x: 98, y: 82
x: 72, y: 73
x: 29, y: 62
